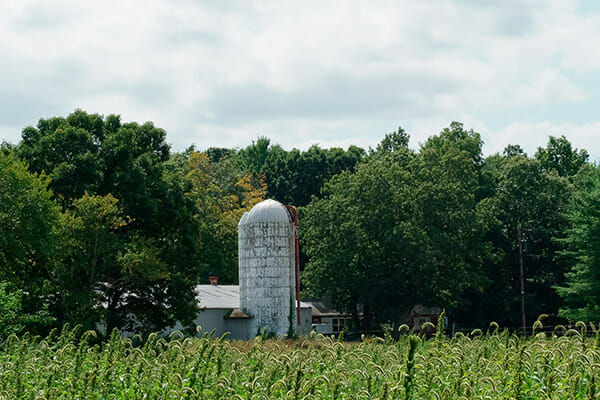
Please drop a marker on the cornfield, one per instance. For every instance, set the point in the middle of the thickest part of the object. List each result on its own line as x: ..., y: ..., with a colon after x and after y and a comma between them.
x: 563, y: 364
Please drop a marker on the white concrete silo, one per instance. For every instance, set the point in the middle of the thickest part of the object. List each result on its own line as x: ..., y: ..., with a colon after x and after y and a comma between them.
x: 267, y: 268
x: 242, y: 254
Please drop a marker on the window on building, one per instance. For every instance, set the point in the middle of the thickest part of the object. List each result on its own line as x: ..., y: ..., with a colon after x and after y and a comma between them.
x: 338, y: 324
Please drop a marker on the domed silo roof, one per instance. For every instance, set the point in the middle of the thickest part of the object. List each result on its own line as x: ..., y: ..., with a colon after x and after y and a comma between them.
x: 268, y: 211
x: 244, y: 219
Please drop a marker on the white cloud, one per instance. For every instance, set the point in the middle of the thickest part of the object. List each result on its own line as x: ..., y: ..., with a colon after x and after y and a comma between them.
x: 533, y: 135
x: 298, y: 134
x: 423, y: 128
x: 548, y: 87
x: 301, y: 72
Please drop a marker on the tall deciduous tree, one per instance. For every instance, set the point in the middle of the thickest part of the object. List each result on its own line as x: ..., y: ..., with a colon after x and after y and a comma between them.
x: 222, y: 194
x: 528, y: 198
x: 581, y: 293
x: 403, y: 229
x: 27, y: 216
x: 452, y: 215
x: 27, y: 243
x: 66, y: 149
x: 559, y: 156
x: 86, y: 153
x: 357, y: 255
x: 89, y: 258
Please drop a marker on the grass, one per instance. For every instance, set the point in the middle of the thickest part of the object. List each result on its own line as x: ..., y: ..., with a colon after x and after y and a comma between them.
x: 492, y: 365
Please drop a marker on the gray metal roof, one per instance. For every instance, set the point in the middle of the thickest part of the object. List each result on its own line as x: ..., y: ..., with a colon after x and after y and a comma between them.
x: 222, y: 296
x: 218, y: 296
x: 268, y: 211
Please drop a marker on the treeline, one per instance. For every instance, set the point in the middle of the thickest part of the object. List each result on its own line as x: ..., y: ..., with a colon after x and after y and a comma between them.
x: 443, y: 226
x: 103, y: 225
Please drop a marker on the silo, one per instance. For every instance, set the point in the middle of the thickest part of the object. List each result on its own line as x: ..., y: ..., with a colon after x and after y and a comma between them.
x: 266, y: 268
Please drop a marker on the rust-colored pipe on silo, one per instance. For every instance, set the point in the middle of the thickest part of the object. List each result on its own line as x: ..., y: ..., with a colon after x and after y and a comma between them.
x: 295, y: 214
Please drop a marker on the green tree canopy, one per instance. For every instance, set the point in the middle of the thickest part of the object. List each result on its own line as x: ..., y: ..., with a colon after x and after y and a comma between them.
x: 27, y: 247
x: 294, y: 177
x: 66, y: 149
x: 393, y: 141
x: 89, y: 258
x: 405, y: 228
x: 522, y: 196
x: 149, y: 265
x: 27, y: 217
x: 559, y: 156
x: 221, y: 194
x: 581, y: 292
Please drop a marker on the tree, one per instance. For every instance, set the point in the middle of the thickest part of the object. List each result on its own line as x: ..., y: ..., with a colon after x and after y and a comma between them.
x: 524, y: 197
x: 452, y: 215
x: 27, y: 215
x: 27, y: 245
x: 559, y: 156
x: 133, y: 159
x: 13, y: 318
x: 296, y: 176
x: 89, y: 259
x: 393, y: 141
x: 513, y: 150
x: 291, y: 177
x: 221, y: 194
x: 581, y: 292
x: 66, y: 149
x: 161, y: 235
x: 100, y: 156
x: 350, y: 238
x: 405, y: 228
x: 252, y: 158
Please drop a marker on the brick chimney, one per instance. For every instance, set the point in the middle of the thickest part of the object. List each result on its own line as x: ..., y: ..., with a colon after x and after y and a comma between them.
x: 214, y: 280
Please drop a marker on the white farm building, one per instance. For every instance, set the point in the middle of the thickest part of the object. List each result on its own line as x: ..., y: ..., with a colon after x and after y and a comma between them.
x: 220, y: 310
x: 267, y: 296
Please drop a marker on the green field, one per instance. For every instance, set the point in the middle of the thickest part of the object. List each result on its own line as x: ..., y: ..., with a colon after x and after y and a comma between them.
x: 485, y: 365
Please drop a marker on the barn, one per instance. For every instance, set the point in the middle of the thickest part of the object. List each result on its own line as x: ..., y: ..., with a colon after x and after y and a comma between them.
x: 220, y: 310
x: 268, y: 294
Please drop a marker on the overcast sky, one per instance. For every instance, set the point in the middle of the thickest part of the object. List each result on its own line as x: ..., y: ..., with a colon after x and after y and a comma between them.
x: 332, y: 73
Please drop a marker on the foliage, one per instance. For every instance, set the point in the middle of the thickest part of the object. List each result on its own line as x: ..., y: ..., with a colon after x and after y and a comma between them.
x: 491, y: 366
x: 253, y: 158
x: 99, y: 221
x: 66, y: 149
x: 393, y: 141
x: 293, y: 177
x: 27, y: 243
x: 221, y: 194
x: 559, y: 156
x: 89, y: 258
x: 405, y: 228
x: 582, y: 289
x: 523, y: 196
x: 13, y: 319
x: 104, y: 173
x: 27, y: 216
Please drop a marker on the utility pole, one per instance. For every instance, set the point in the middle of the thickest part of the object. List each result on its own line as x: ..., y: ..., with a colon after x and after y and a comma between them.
x: 521, y: 275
